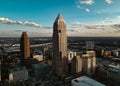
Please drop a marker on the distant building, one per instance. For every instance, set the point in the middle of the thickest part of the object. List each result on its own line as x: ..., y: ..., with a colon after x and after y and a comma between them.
x: 116, y: 52
x: 88, y: 63
x: 40, y: 69
x: 60, y: 60
x: 24, y: 47
x: 89, y: 45
x: 85, y: 81
x: 70, y: 55
x: 109, y: 72
x: 106, y: 53
x: 38, y: 57
x: 18, y: 74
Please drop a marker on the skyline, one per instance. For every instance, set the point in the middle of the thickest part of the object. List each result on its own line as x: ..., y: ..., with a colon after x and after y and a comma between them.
x: 83, y: 17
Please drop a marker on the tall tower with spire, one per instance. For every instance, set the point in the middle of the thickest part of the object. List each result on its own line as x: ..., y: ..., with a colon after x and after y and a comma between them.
x: 24, y: 47
x: 60, y: 65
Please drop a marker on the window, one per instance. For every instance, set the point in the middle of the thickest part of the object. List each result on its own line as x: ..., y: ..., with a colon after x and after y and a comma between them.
x: 59, y: 31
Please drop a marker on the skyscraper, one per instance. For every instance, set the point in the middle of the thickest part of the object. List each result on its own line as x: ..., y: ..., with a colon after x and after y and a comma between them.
x: 24, y: 47
x: 60, y: 60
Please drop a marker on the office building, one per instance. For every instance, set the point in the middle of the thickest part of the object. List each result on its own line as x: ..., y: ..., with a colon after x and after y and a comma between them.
x: 60, y: 60
x: 24, y: 47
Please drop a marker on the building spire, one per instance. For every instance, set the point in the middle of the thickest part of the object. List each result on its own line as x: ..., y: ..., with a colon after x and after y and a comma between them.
x: 59, y: 15
x: 59, y: 18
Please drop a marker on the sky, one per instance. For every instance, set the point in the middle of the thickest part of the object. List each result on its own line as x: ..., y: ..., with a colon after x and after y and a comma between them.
x: 83, y: 17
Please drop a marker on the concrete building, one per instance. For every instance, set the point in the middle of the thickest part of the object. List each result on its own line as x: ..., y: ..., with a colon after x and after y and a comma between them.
x: 116, y: 52
x: 38, y: 57
x: 110, y: 72
x: 88, y: 63
x: 106, y: 53
x: 85, y: 81
x: 70, y: 55
x: 24, y: 47
x: 18, y: 74
x: 40, y: 69
x: 89, y: 45
x: 93, y: 59
x: 60, y: 60
x: 76, y: 65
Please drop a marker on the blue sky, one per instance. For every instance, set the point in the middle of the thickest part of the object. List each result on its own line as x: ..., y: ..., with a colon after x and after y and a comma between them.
x: 83, y: 17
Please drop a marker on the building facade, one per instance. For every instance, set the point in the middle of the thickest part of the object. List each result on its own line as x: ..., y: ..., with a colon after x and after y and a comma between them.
x: 85, y: 81
x: 76, y: 65
x: 60, y: 60
x: 18, y: 74
x: 24, y: 47
x: 88, y: 63
x: 89, y: 45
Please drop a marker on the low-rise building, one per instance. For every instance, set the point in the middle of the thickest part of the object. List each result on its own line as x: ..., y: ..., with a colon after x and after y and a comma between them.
x: 38, y: 57
x: 85, y: 81
x: 18, y: 74
x: 109, y: 72
x: 40, y: 68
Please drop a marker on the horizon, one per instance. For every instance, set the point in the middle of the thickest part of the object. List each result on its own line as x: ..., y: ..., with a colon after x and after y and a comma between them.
x: 89, y: 18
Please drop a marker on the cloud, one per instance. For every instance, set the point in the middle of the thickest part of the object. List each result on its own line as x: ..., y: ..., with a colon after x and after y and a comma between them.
x: 110, y: 29
x: 6, y: 20
x: 118, y: 17
x: 87, y: 26
x: 109, y: 21
x: 19, y: 31
x: 47, y: 27
x: 108, y: 1
x: 116, y: 26
x: 101, y: 11
x: 86, y: 2
x: 86, y: 9
x: 26, y: 23
x: 72, y: 30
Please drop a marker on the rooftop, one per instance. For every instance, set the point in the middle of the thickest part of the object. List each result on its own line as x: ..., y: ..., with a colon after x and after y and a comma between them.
x: 40, y: 65
x: 59, y: 19
x: 85, y: 81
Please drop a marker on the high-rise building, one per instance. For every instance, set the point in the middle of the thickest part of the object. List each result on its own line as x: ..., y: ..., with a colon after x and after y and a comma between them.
x: 60, y: 59
x: 88, y: 62
x: 76, y: 65
x: 24, y: 47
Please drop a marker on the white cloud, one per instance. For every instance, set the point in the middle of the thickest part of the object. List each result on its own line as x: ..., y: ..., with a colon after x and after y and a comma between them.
x: 109, y: 21
x: 101, y: 11
x: 6, y: 20
x: 118, y: 17
x: 26, y: 23
x: 78, y: 6
x: 104, y: 27
x: 108, y: 1
x: 87, y: 10
x: 87, y: 2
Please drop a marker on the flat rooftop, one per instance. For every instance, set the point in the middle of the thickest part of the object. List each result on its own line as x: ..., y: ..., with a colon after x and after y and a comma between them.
x: 85, y: 81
